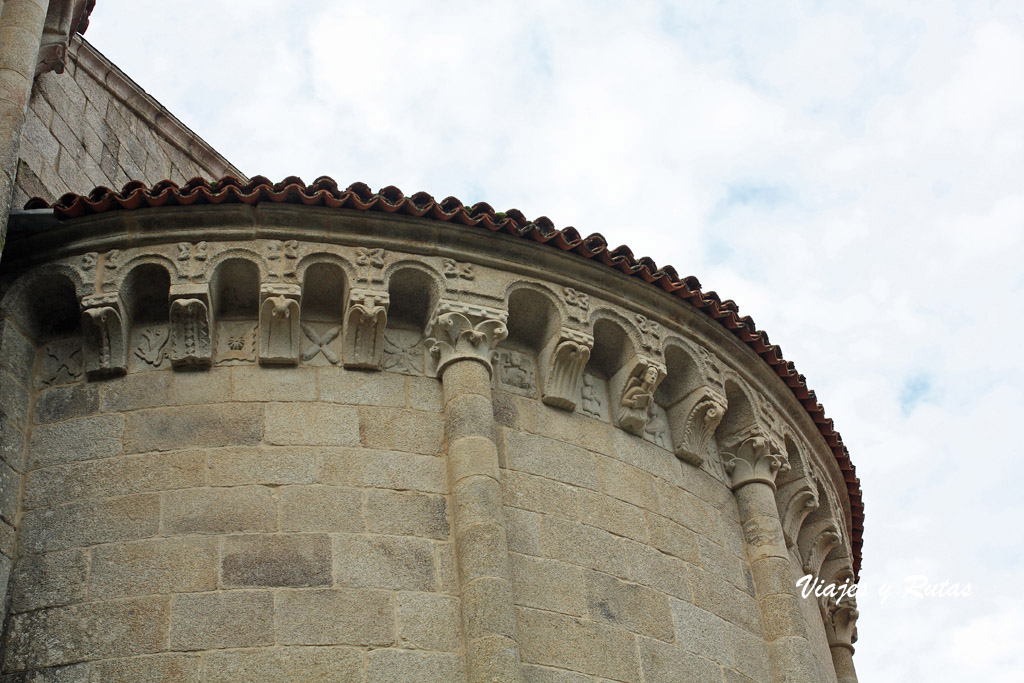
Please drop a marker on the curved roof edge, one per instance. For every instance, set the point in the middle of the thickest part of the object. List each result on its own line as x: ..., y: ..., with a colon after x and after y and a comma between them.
x: 325, y: 192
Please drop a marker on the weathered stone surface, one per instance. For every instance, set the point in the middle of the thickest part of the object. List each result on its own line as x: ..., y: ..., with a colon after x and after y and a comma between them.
x: 99, y: 630
x: 83, y: 524
x: 74, y: 440
x: 321, y: 508
x: 523, y: 532
x: 203, y: 621
x: 612, y: 515
x: 408, y: 431
x: 10, y: 490
x: 626, y: 483
x: 263, y: 383
x: 72, y: 673
x: 66, y: 402
x: 578, y: 645
x: 156, y: 389
x: 538, y: 494
x: 251, y: 465
x: 663, y: 662
x: 276, y: 560
x: 17, y: 352
x: 702, y: 632
x: 428, y: 621
x: 285, y: 665
x: 154, y: 566
x: 548, y: 584
x: 161, y: 429
x: 407, y: 513
x: 405, y: 666
x: 399, y: 563
x: 424, y: 393
x: 312, y: 424
x: 49, y: 580
x: 714, y: 594
x: 12, y: 444
x: 363, y: 388
x: 661, y: 572
x: 583, y: 546
x: 672, y: 538
x: 220, y: 510
x: 338, y: 616
x: 628, y: 605
x: 119, y: 475
x: 750, y: 654
x: 551, y: 459
x: 159, y: 668
x: 382, y: 469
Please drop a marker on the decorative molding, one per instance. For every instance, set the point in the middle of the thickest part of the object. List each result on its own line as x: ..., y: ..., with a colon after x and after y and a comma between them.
x: 365, y: 321
x: 565, y: 360
x: 280, y: 332
x: 103, y: 336
x: 750, y: 457
x: 693, y: 420
x: 461, y: 331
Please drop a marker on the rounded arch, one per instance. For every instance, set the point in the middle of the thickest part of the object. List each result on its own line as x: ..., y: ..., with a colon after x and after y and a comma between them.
x: 740, y: 415
x: 414, y: 290
x: 324, y: 257
x: 145, y: 292
x: 168, y: 264
x: 45, y: 302
x: 614, y: 343
x: 533, y: 315
x: 236, y: 254
x: 684, y: 373
x: 235, y: 288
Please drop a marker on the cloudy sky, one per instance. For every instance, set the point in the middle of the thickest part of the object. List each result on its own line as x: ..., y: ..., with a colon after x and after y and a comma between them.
x: 851, y: 176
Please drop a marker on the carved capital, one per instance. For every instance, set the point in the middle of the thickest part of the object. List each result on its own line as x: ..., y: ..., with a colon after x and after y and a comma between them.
x: 191, y: 346
x: 693, y: 420
x: 841, y: 623
x: 797, y: 499
x: 751, y: 457
x: 637, y: 395
x: 280, y: 333
x: 565, y: 361
x: 365, y: 320
x: 103, y: 336
x: 465, y: 332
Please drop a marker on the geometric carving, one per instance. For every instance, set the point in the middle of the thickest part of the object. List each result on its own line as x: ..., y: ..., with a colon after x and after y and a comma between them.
x: 320, y: 343
x: 638, y: 395
x: 694, y: 419
x: 61, y: 362
x: 567, y: 360
x: 236, y: 341
x: 750, y: 457
x: 279, y: 325
x: 465, y: 332
x: 103, y: 336
x: 578, y: 305
x: 365, y: 321
x: 190, y: 334
x: 403, y: 351
x: 650, y: 335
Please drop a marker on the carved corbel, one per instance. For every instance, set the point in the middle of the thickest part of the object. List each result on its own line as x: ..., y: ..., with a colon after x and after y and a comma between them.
x: 190, y: 326
x: 797, y: 499
x: 840, y: 621
x: 693, y: 420
x: 816, y: 541
x: 635, y: 385
x: 365, y: 320
x: 64, y: 18
x: 751, y: 457
x: 280, y: 332
x: 103, y: 336
x: 565, y: 358
x: 465, y: 332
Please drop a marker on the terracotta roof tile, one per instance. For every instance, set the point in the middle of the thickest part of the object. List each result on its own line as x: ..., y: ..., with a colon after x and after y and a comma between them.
x: 325, y: 192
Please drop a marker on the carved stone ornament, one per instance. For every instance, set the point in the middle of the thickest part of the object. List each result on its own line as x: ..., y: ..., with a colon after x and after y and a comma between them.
x: 465, y: 332
x: 61, y: 362
x: 750, y: 457
x: 568, y: 358
x: 797, y: 499
x: 515, y: 372
x: 638, y: 395
x: 841, y: 623
x: 694, y: 419
x: 64, y: 18
x: 280, y: 334
x: 103, y: 336
x: 365, y: 320
x: 191, y: 346
x: 816, y: 541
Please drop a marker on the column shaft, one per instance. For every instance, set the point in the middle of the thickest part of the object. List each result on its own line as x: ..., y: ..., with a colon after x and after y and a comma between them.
x: 481, y: 546
x: 842, y: 660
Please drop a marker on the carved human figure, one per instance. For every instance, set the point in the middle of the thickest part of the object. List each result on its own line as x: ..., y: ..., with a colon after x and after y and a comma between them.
x: 637, y: 399
x: 591, y: 403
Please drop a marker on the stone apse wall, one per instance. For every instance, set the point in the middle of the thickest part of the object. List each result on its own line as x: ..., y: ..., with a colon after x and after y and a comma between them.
x: 311, y: 445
